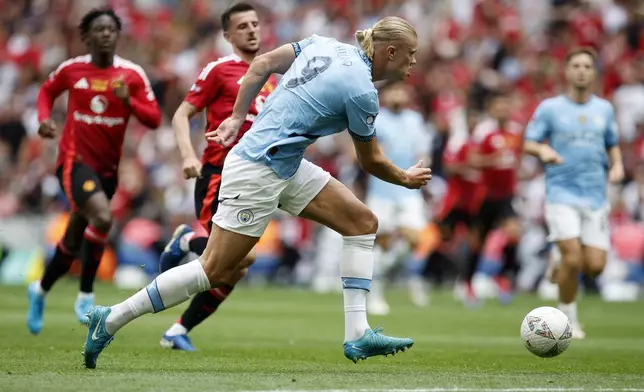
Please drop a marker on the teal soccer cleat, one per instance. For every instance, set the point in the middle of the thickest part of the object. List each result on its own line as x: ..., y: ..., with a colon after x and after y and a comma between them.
x: 36, y: 309
x: 97, y: 336
x: 373, y: 343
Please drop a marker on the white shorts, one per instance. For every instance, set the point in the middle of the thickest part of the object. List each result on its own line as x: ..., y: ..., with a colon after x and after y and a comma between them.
x: 590, y: 226
x: 408, y: 212
x: 251, y: 192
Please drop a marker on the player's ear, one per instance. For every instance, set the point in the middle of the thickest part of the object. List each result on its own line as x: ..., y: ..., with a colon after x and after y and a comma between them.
x: 226, y: 36
x: 391, y: 52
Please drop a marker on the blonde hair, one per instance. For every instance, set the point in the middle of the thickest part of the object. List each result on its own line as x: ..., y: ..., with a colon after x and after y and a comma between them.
x: 388, y: 29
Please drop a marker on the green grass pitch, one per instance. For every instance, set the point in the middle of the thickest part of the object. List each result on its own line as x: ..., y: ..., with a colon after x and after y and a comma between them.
x: 278, y: 339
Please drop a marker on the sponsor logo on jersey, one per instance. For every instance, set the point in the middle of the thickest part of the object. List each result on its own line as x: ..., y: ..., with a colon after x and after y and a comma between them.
x: 99, y: 85
x: 81, y: 84
x: 99, y: 104
x: 98, y: 120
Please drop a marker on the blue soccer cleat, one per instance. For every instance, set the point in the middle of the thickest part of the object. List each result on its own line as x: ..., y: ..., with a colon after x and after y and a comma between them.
x: 82, y: 308
x: 173, y: 254
x: 177, y: 342
x: 97, y: 336
x: 372, y: 343
x: 36, y: 308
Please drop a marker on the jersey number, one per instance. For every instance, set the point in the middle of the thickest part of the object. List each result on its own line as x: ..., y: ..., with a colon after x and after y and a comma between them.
x: 314, y: 67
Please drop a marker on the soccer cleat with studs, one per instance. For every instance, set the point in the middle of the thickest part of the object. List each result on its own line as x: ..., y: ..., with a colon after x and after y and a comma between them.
x: 372, y: 343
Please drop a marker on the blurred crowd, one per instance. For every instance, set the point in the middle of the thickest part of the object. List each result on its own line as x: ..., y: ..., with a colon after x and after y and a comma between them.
x: 468, y: 48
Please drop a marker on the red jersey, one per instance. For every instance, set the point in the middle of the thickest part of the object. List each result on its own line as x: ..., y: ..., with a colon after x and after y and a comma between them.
x: 216, y: 90
x: 463, y: 190
x: 96, y: 119
x: 500, y: 181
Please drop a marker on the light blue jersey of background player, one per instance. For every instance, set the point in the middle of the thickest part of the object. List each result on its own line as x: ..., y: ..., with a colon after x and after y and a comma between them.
x: 327, y: 89
x: 402, y: 137
x: 580, y: 134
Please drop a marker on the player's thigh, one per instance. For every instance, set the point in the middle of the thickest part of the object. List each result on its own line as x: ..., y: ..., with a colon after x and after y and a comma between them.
x: 385, y: 211
x: 337, y: 208
x: 87, y: 192
x: 595, y: 232
x: 563, y: 221
x: 206, y: 195
x: 248, y: 196
x: 226, y: 257
x: 595, y: 240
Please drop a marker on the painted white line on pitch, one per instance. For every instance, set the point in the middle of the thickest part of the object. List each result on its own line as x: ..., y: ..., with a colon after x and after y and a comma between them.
x: 461, y: 390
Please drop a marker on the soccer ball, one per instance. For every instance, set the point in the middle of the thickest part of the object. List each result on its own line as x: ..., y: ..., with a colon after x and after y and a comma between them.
x: 546, y: 332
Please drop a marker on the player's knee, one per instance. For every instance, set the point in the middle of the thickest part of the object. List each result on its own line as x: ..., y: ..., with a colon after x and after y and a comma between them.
x: 102, y: 220
x: 594, y: 265
x: 367, y: 223
x: 72, y: 245
x: 571, y: 255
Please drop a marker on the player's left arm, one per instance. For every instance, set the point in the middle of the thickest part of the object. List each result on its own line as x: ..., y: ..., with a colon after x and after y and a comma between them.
x: 611, y: 139
x: 140, y: 98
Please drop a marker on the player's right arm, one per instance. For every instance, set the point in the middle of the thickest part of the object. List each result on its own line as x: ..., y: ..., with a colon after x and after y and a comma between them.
x: 181, y: 126
x: 203, y: 92
x: 361, y: 113
x: 55, y: 84
x: 538, y: 130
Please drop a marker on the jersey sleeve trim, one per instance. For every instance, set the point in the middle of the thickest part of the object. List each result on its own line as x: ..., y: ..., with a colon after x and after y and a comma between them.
x: 360, y: 138
x: 297, y: 48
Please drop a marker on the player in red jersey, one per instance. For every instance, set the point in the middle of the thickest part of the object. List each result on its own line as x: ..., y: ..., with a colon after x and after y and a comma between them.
x: 496, y: 151
x: 462, y: 199
x: 104, y: 90
x: 215, y: 91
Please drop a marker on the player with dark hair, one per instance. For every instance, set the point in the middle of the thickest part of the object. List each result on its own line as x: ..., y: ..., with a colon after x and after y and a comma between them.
x: 575, y: 135
x: 215, y: 91
x: 104, y: 90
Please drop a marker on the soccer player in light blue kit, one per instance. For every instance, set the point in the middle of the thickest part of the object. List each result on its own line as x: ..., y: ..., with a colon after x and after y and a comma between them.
x: 576, y: 137
x: 401, y: 212
x: 327, y: 87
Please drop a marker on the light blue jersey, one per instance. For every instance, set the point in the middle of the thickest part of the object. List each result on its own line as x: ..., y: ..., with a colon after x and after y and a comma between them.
x: 581, y: 134
x: 403, y: 139
x: 326, y: 90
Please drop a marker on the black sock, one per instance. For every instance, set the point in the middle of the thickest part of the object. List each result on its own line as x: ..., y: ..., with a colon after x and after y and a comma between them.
x: 203, y: 305
x: 472, y: 264
x: 57, y: 267
x: 198, y: 244
x: 91, y: 254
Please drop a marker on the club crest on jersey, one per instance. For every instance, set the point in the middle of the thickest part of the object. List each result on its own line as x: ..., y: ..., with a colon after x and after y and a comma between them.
x: 599, y: 122
x: 89, y: 186
x: 116, y: 83
x: 99, y: 85
x: 497, y: 141
x: 98, y: 104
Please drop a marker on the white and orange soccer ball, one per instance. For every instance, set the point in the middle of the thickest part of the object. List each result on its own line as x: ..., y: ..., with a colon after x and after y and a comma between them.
x: 546, y: 332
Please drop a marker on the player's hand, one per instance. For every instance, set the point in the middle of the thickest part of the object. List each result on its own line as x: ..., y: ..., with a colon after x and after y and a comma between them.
x: 191, y: 168
x: 616, y: 174
x: 549, y: 155
x: 121, y: 90
x: 47, y: 129
x: 417, y: 176
x: 226, y: 133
